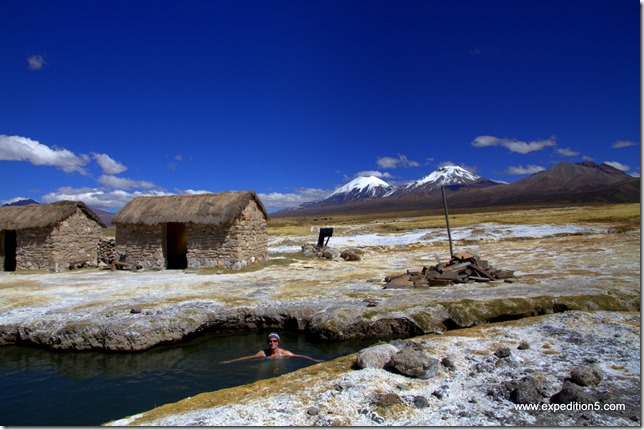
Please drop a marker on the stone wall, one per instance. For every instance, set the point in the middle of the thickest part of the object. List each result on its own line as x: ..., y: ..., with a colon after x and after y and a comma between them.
x: 141, y: 244
x: 251, y: 235
x: 55, y: 248
x: 76, y: 239
x: 106, y: 254
x: 34, y: 250
x: 232, y: 246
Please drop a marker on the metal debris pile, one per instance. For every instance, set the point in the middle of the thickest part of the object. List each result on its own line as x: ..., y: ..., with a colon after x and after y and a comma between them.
x: 460, y: 269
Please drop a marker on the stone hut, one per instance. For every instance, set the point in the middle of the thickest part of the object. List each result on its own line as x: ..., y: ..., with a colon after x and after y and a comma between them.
x: 51, y: 237
x: 223, y: 230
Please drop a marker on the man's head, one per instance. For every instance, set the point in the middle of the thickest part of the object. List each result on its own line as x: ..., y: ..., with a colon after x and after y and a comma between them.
x: 273, y: 338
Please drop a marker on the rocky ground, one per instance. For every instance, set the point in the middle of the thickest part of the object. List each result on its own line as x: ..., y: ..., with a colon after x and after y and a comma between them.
x: 558, y: 268
x: 578, y: 368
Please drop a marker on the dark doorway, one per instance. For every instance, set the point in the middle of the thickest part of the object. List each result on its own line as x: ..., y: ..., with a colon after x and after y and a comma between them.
x: 10, y: 244
x: 176, y: 246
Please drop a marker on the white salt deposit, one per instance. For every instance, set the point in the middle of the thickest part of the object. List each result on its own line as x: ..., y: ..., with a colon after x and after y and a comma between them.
x: 487, y: 231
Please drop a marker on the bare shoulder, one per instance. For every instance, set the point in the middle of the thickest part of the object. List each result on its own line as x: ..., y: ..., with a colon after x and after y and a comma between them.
x: 286, y: 353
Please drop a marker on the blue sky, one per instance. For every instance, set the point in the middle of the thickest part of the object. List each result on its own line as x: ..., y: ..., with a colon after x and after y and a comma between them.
x: 105, y: 101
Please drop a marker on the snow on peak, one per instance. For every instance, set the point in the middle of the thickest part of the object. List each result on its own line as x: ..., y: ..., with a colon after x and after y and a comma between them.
x: 448, y: 175
x: 366, y: 185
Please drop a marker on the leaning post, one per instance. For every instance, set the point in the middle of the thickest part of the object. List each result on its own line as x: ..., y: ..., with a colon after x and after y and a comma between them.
x: 449, y: 234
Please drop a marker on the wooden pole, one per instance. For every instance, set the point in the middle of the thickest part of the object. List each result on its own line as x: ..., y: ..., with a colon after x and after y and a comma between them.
x: 449, y: 234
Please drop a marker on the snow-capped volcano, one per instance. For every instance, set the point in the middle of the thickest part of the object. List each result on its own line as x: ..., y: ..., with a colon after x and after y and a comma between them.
x: 359, y: 189
x: 367, y: 187
x: 446, y: 175
x: 449, y: 175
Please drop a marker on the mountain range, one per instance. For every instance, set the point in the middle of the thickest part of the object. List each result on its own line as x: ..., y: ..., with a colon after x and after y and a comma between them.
x: 23, y: 202
x: 564, y: 183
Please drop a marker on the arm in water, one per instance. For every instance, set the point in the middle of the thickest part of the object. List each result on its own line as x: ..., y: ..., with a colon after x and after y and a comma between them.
x: 290, y: 354
x: 260, y: 354
x: 273, y: 352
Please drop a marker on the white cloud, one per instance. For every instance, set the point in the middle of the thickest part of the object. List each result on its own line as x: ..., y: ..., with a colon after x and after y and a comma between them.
x: 567, y: 152
x: 376, y: 173
x: 36, y: 62
x: 108, y: 199
x: 618, y: 165
x: 112, y: 181
x: 513, y: 145
x: 274, y: 201
x: 446, y: 163
x: 98, y: 197
x: 108, y: 164
x: 624, y: 144
x: 311, y: 194
x: 18, y: 148
x: 172, y: 166
x: 520, y: 170
x: 394, y: 163
x: 189, y: 191
x: 471, y: 169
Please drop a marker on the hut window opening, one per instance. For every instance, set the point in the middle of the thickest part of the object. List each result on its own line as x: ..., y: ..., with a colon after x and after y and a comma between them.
x: 176, y: 246
x: 10, y: 245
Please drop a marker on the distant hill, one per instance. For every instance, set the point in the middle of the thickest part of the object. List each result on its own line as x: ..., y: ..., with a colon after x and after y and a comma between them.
x: 105, y: 216
x: 23, y: 202
x: 563, y: 183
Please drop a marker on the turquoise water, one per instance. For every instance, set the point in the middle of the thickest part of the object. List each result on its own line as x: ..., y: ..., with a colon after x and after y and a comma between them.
x: 43, y: 388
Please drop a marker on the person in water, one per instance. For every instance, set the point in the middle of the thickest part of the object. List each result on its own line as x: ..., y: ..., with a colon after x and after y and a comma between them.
x: 273, y: 352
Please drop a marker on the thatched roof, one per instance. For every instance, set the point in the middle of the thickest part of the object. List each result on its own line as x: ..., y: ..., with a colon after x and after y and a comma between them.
x: 37, y: 216
x: 219, y: 208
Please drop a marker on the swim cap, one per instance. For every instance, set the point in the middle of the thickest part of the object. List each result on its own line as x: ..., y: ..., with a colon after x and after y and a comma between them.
x: 274, y: 336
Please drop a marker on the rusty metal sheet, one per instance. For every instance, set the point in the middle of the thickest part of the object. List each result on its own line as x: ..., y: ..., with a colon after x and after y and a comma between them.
x: 482, y: 272
x: 452, y: 275
x: 456, y: 267
x: 464, y: 256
